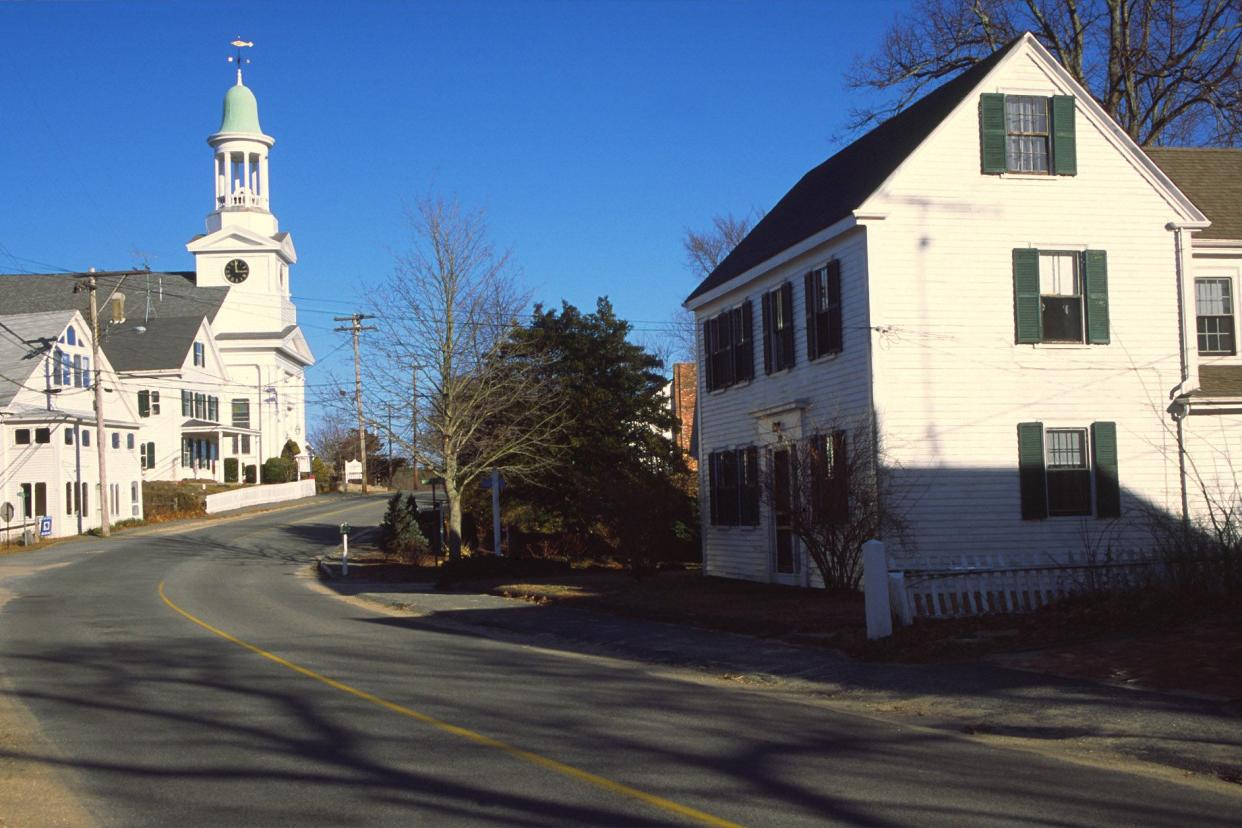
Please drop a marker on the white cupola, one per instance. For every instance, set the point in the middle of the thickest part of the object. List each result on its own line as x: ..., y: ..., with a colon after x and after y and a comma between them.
x: 242, y: 194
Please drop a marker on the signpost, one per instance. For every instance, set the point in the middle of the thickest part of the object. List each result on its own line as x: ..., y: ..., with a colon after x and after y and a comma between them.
x: 495, y: 483
x: 45, y: 526
x: 344, y: 550
x: 6, y: 512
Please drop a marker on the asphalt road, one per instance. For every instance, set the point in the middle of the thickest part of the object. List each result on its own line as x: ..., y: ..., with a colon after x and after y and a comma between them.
x: 238, y: 695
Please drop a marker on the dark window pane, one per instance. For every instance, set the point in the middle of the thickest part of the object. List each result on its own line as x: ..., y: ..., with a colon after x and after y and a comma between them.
x: 1062, y: 317
x: 1069, y: 492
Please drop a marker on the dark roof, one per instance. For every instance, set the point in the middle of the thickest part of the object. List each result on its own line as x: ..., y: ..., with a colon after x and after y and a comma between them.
x: 1212, y: 179
x: 177, y: 306
x: 837, y: 187
x: 159, y: 343
x: 24, y: 339
x: 1219, y: 381
x: 172, y: 294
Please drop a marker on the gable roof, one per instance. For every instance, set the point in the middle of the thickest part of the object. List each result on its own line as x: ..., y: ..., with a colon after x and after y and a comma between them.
x: 24, y: 339
x: 172, y: 294
x: 837, y: 187
x: 159, y: 343
x: 1212, y: 179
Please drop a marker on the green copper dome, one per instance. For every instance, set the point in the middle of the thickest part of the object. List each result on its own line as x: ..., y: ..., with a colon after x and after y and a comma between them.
x: 241, y: 111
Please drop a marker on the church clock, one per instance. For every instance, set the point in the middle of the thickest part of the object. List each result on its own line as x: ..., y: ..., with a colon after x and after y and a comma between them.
x: 236, y: 271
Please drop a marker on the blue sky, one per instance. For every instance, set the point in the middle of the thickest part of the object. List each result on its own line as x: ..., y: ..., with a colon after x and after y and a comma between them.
x: 592, y: 133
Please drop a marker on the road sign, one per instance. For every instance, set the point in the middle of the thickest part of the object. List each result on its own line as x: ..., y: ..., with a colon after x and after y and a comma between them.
x: 487, y: 483
x: 45, y: 526
x: 344, y: 528
x: 7, y: 511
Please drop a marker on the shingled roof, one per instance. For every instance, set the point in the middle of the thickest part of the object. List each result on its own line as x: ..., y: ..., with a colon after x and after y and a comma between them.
x: 24, y: 339
x: 160, y: 343
x: 1212, y: 179
x: 172, y: 294
x: 837, y: 187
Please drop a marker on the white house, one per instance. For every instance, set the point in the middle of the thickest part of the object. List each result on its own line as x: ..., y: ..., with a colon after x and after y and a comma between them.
x: 212, y: 360
x: 49, y: 461
x: 996, y: 286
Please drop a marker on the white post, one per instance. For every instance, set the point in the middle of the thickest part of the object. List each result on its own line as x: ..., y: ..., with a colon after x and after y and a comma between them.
x: 344, y: 555
x: 496, y: 511
x: 875, y: 590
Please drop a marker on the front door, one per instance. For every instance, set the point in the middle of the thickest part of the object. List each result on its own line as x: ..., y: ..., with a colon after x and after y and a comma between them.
x: 786, y: 566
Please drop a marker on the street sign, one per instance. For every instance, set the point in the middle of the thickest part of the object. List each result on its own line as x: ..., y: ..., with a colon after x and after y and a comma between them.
x: 45, y: 526
x: 7, y: 511
x: 344, y: 528
x: 487, y: 483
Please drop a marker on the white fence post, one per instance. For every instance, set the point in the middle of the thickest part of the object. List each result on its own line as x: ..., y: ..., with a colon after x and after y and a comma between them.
x: 875, y: 590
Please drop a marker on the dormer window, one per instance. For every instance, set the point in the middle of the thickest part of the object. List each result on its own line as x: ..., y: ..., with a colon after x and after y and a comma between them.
x: 1029, y: 134
x: 200, y: 355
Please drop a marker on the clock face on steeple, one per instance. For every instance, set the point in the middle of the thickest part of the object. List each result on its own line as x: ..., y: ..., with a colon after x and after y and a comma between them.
x: 236, y: 271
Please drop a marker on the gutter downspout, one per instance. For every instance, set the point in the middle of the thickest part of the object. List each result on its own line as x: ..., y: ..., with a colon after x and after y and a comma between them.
x: 1182, y: 409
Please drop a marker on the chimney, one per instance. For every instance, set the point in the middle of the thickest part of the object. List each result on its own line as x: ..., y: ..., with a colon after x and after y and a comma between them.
x: 118, y: 307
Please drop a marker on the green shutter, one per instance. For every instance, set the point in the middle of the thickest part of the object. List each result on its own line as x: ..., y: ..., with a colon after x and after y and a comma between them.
x: 992, y: 132
x: 1027, y: 320
x: 1031, y: 471
x: 144, y: 403
x: 1104, y: 459
x: 1095, y: 289
x: 1064, y: 151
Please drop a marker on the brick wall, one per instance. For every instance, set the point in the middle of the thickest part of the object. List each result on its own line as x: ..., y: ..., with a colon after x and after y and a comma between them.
x: 682, y: 398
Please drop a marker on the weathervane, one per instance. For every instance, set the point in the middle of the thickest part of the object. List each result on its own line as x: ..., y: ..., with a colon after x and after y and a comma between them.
x: 238, y: 59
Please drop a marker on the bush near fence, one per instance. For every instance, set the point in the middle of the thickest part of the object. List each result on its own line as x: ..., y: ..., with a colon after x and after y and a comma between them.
x: 166, y: 499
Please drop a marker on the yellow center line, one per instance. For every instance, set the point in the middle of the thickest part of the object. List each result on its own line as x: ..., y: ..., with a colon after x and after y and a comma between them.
x: 478, y: 738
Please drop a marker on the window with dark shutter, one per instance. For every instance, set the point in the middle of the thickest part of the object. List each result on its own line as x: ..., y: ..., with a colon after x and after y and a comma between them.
x: 1027, y: 134
x: 144, y: 403
x: 778, y: 330
x: 728, y: 352
x: 1031, y: 471
x: 748, y: 466
x: 823, y: 301
x: 1060, y: 296
x: 1063, y: 473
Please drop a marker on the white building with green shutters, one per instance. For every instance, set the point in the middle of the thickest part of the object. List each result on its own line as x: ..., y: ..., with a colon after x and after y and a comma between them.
x: 997, y: 289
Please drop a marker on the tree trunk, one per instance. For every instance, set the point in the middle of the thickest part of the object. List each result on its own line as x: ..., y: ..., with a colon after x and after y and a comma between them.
x: 454, y: 527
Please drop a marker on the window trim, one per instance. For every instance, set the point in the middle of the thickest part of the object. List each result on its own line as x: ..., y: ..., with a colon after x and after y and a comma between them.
x: 1231, y: 317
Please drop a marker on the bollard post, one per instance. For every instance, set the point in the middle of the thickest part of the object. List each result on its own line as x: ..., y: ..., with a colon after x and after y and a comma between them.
x: 875, y: 590
x: 344, y: 550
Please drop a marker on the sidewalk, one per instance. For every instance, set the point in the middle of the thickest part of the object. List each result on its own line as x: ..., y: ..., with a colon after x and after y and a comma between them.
x: 1087, y: 721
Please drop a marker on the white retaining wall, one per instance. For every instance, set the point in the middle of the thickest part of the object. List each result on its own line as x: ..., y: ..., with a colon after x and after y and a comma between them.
x: 255, y: 495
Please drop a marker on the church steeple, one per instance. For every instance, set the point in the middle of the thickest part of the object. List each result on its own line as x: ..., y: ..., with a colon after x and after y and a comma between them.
x: 240, y: 172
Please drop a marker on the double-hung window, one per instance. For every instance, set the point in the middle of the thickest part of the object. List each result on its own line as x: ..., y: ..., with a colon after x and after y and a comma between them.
x: 241, y: 413
x: 200, y: 354
x: 728, y: 357
x: 1060, y: 296
x: 187, y: 403
x: 1027, y: 134
x: 1214, y: 316
x: 778, y: 329
x: 733, y: 487
x: 823, y: 310
x: 1068, y: 471
x: 830, y: 496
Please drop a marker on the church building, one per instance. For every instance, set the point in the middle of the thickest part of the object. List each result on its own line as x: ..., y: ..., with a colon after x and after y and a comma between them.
x: 208, y: 364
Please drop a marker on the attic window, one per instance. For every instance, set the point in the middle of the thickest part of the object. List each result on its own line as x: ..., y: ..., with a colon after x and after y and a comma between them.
x: 1027, y: 134
x: 200, y: 357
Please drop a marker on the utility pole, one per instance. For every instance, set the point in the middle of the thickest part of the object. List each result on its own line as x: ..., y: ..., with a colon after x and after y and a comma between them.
x: 105, y: 525
x: 356, y: 327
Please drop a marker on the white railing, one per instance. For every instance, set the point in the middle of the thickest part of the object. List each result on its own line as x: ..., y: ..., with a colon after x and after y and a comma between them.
x: 242, y: 199
x: 256, y: 495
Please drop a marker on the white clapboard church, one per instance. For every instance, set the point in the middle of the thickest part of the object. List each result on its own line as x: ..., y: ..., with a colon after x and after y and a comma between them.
x: 207, y: 364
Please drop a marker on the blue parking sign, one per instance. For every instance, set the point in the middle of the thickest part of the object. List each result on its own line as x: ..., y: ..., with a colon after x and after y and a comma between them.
x: 45, y: 526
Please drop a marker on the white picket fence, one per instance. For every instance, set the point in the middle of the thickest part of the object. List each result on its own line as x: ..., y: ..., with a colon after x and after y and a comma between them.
x: 1006, y: 583
x: 986, y: 584
x: 257, y: 495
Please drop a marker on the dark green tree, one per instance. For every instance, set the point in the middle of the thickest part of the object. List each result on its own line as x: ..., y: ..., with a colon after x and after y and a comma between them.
x: 620, y: 484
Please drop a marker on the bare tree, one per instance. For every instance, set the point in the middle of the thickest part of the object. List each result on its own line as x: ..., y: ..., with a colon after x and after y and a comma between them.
x: 1168, y: 71
x: 446, y: 316
x: 706, y: 249
x: 831, y: 492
